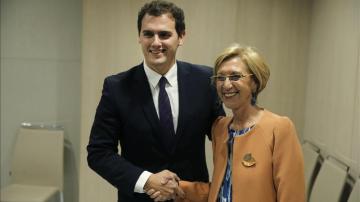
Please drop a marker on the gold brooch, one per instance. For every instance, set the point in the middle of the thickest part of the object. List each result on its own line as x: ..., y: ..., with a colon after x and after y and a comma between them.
x: 248, y: 160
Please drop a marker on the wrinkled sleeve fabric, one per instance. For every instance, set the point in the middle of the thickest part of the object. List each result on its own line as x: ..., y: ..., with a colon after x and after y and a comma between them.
x: 218, y: 111
x: 288, y: 163
x: 199, y: 191
x: 102, y: 149
x: 194, y: 191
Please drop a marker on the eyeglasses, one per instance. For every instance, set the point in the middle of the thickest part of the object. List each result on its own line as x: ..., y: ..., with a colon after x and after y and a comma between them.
x: 234, y: 77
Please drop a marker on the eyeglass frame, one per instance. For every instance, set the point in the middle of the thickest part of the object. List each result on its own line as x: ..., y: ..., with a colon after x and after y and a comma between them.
x: 234, y: 77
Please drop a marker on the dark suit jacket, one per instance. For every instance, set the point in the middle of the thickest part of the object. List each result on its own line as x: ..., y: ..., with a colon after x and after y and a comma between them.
x: 126, y: 114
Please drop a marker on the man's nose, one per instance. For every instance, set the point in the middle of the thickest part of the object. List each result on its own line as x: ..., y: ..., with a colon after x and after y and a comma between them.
x: 157, y: 40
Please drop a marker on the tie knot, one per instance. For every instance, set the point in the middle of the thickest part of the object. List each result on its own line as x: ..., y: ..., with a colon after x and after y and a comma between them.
x: 162, y: 82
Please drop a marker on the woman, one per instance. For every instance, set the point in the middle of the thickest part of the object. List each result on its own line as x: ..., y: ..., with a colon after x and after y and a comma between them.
x: 256, y: 153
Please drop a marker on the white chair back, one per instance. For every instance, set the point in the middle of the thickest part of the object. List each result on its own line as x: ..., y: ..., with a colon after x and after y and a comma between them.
x: 329, y: 183
x: 355, y: 193
x: 39, y: 158
x: 310, y: 161
x: 37, y: 167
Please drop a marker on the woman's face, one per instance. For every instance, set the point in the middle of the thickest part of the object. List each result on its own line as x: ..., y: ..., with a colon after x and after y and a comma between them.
x: 234, y: 83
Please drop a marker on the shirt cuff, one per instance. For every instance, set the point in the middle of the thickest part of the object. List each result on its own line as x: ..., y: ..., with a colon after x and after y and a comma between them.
x: 140, y: 183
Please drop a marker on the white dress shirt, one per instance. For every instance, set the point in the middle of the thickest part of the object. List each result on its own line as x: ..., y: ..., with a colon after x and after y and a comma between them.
x: 173, y: 92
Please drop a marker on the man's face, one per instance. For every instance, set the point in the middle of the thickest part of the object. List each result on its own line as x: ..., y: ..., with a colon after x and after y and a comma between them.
x: 159, y: 41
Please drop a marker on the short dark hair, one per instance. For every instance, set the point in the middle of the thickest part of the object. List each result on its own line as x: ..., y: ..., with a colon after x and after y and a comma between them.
x: 159, y: 7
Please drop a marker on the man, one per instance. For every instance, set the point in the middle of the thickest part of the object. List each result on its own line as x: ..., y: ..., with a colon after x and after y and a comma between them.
x: 159, y: 112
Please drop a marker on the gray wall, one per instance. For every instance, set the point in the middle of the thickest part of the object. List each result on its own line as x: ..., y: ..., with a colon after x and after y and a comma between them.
x: 40, y: 75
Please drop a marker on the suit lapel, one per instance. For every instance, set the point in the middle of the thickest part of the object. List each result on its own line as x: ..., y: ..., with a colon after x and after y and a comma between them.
x: 143, y: 95
x: 184, y: 98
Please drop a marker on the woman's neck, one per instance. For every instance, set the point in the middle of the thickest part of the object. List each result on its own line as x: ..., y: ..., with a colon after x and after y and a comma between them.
x: 245, y: 117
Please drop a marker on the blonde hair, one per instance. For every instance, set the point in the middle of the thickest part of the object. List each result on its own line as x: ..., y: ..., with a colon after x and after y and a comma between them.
x: 253, y: 61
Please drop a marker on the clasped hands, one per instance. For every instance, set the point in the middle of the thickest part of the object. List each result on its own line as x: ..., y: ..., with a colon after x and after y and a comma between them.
x: 163, y: 186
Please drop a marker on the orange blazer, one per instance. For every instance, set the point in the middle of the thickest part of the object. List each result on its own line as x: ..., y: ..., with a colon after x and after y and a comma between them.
x: 267, y: 165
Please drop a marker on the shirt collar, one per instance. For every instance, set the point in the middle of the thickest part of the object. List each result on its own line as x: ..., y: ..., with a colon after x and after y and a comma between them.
x: 154, y: 77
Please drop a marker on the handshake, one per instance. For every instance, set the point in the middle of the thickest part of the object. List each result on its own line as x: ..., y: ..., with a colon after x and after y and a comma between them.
x: 163, y: 186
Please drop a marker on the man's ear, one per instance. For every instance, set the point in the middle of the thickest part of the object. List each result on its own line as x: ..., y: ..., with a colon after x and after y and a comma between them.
x: 182, y: 38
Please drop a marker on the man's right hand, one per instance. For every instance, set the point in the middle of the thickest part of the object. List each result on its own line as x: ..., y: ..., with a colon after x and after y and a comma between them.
x: 163, y: 186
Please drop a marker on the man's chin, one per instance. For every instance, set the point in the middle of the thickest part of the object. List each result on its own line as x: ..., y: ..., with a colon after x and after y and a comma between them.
x: 157, y: 62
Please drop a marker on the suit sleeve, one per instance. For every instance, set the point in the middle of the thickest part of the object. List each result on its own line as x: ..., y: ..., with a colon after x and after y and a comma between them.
x: 288, y: 164
x: 199, y: 191
x: 217, y: 108
x: 102, y: 149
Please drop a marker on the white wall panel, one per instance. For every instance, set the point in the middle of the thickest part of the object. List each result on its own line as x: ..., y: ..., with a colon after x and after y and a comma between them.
x: 356, y: 122
x: 279, y: 29
x: 332, y: 88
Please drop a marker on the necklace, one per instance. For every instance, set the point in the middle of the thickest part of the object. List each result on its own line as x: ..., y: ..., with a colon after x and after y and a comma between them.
x: 243, y: 131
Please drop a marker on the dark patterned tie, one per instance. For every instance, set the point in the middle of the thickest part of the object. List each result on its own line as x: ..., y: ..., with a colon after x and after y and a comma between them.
x: 165, y: 116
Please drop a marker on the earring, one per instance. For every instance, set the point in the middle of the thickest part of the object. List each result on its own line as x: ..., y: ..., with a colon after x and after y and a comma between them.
x: 253, y: 98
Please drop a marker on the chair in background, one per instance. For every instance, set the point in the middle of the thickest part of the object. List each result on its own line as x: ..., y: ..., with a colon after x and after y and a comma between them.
x: 311, y: 165
x: 37, y: 167
x: 330, y: 181
x: 355, y: 193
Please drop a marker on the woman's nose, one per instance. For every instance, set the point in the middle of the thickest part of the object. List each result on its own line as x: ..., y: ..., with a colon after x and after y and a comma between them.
x: 227, y: 83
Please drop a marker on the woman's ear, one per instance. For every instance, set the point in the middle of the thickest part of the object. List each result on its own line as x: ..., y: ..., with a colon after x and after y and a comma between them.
x: 253, y: 86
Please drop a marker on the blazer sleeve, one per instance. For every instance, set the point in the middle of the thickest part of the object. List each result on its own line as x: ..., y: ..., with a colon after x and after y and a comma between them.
x: 102, y: 149
x: 194, y: 191
x: 288, y: 164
